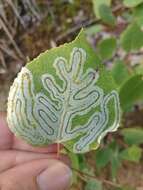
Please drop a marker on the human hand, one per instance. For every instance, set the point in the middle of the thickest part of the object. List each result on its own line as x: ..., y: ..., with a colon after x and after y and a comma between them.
x: 23, y: 167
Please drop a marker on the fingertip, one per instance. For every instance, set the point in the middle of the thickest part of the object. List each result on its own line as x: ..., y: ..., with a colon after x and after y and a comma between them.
x: 56, y: 177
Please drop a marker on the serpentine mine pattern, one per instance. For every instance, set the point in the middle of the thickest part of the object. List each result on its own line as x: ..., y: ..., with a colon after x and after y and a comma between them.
x: 40, y: 119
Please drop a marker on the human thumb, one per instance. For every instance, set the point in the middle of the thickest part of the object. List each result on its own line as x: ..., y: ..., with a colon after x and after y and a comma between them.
x: 42, y: 174
x: 55, y: 177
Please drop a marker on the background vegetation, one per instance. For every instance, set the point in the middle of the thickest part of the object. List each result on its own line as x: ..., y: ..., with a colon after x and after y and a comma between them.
x: 115, y: 29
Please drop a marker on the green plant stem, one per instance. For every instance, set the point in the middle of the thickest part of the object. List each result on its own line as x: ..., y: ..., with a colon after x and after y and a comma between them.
x: 83, y: 176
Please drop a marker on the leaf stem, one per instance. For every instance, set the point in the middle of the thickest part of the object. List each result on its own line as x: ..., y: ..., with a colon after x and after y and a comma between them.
x: 58, y: 150
x: 83, y: 175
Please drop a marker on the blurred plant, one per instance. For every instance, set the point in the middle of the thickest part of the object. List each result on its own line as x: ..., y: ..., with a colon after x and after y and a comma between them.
x: 115, y: 29
x: 117, y: 32
x: 13, y: 14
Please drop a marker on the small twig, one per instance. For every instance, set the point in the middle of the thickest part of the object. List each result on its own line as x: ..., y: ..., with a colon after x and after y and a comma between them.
x: 58, y: 150
x: 76, y: 28
x: 118, y: 8
x: 2, y: 60
x: 2, y: 11
x: 50, y: 10
x: 83, y: 174
x: 16, y: 12
x: 11, y: 39
x: 121, y: 142
x: 33, y: 8
x: 3, y: 16
x: 85, y: 24
x: 8, y: 51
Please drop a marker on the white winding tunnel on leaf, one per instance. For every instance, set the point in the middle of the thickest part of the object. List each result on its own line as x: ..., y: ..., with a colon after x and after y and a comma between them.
x: 39, y: 120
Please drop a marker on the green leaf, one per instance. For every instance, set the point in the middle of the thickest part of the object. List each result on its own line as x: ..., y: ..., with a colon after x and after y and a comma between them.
x: 94, y: 29
x: 132, y: 3
x: 93, y: 184
x: 103, y: 157
x: 64, y: 96
x: 106, y: 15
x: 115, y: 160
x: 138, y: 69
x: 127, y: 16
x: 133, y: 135
x: 124, y: 188
x: 82, y: 162
x: 132, y: 153
x: 107, y: 48
x: 131, y: 92
x: 75, y: 164
x: 120, y: 72
x: 97, y: 4
x: 138, y: 15
x: 132, y: 38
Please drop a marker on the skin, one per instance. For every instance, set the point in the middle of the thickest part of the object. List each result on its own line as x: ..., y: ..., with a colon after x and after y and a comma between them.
x: 30, y: 168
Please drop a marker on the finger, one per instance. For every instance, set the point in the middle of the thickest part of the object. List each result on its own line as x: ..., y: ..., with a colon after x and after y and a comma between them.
x: 11, y: 158
x: 8, y: 140
x: 5, y: 134
x: 45, y: 174
x: 19, y: 144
